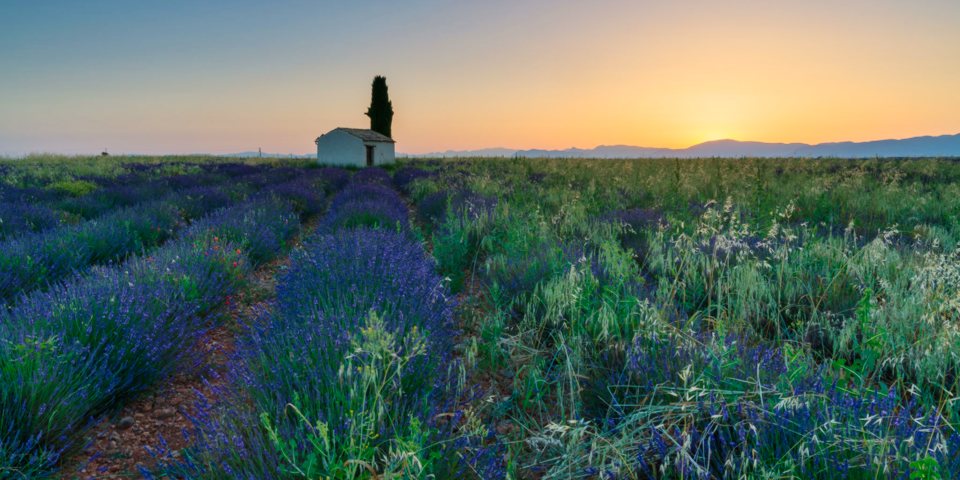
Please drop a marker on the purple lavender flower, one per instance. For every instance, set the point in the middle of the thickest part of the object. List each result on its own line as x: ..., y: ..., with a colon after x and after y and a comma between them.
x: 405, y: 176
x: 433, y: 208
x: 335, y: 178
x: 87, y: 344
x: 304, y: 195
x: 373, y: 213
x: 20, y: 217
x: 362, y: 191
x: 372, y: 175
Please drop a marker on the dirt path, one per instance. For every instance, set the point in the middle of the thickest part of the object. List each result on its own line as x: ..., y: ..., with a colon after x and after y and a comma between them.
x: 116, y: 447
x: 483, y: 387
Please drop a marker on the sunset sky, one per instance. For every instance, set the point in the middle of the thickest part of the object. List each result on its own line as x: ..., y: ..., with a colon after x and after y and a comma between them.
x: 189, y: 76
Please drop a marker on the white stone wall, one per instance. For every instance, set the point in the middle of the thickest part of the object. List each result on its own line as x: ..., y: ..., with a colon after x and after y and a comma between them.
x: 341, y: 148
x: 383, y: 154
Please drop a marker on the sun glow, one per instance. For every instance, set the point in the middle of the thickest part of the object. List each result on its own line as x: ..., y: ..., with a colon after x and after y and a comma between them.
x: 712, y: 135
x: 658, y: 74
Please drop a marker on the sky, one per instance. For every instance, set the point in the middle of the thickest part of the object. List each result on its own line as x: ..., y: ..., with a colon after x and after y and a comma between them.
x: 188, y: 76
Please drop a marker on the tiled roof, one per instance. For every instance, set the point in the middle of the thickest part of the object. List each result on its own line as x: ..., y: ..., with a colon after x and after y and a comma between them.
x: 367, y: 135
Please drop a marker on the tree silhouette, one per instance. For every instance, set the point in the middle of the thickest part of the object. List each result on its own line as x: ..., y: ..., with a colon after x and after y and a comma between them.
x: 381, y: 110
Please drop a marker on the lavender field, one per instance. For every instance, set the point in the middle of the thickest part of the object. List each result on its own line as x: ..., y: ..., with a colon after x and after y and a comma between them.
x: 481, y: 318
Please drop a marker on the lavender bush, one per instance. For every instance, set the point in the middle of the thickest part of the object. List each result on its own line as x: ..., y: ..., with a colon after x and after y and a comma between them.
x: 373, y: 213
x: 198, y: 201
x: 82, y: 346
x: 21, y: 217
x: 361, y: 191
x: 261, y: 227
x: 334, y: 178
x: 403, y: 177
x: 372, y: 175
x: 434, y: 208
x: 32, y: 261
x: 306, y: 196
x: 344, y: 370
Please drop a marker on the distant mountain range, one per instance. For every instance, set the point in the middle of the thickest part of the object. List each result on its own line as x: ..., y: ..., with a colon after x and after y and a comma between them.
x: 939, y: 146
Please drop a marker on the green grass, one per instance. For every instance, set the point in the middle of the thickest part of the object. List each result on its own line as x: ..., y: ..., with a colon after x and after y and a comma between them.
x: 845, y: 271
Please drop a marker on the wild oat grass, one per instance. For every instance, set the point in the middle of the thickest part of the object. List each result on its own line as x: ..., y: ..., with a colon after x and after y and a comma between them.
x: 713, y: 318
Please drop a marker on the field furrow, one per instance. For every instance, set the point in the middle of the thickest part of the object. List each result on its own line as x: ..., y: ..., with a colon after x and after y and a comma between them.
x: 36, y: 261
x: 87, y: 345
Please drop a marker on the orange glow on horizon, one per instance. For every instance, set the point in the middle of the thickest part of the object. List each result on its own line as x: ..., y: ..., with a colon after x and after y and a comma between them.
x: 515, y: 75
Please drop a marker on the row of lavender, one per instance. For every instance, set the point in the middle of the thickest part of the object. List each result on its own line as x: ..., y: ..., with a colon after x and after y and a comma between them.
x: 31, y: 261
x: 347, y: 375
x: 48, y: 205
x: 87, y: 345
x: 43, y: 206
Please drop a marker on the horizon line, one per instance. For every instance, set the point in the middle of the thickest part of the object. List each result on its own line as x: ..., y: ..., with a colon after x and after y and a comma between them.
x: 21, y: 155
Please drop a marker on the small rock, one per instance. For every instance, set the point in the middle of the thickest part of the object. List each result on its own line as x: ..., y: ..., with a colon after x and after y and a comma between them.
x: 125, y: 423
x: 165, y: 413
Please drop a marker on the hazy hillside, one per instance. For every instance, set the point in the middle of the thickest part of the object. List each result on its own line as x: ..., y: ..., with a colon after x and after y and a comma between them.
x: 928, y: 146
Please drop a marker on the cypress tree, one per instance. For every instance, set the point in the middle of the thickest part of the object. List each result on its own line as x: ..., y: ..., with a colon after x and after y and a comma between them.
x: 381, y: 109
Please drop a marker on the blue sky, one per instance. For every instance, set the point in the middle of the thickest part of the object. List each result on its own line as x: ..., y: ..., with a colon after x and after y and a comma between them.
x: 217, y: 76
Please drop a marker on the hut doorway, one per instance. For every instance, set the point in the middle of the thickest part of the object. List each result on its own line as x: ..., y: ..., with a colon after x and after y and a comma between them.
x: 369, y: 155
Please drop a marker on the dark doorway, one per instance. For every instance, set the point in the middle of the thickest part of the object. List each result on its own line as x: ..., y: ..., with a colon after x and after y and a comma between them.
x: 369, y: 155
